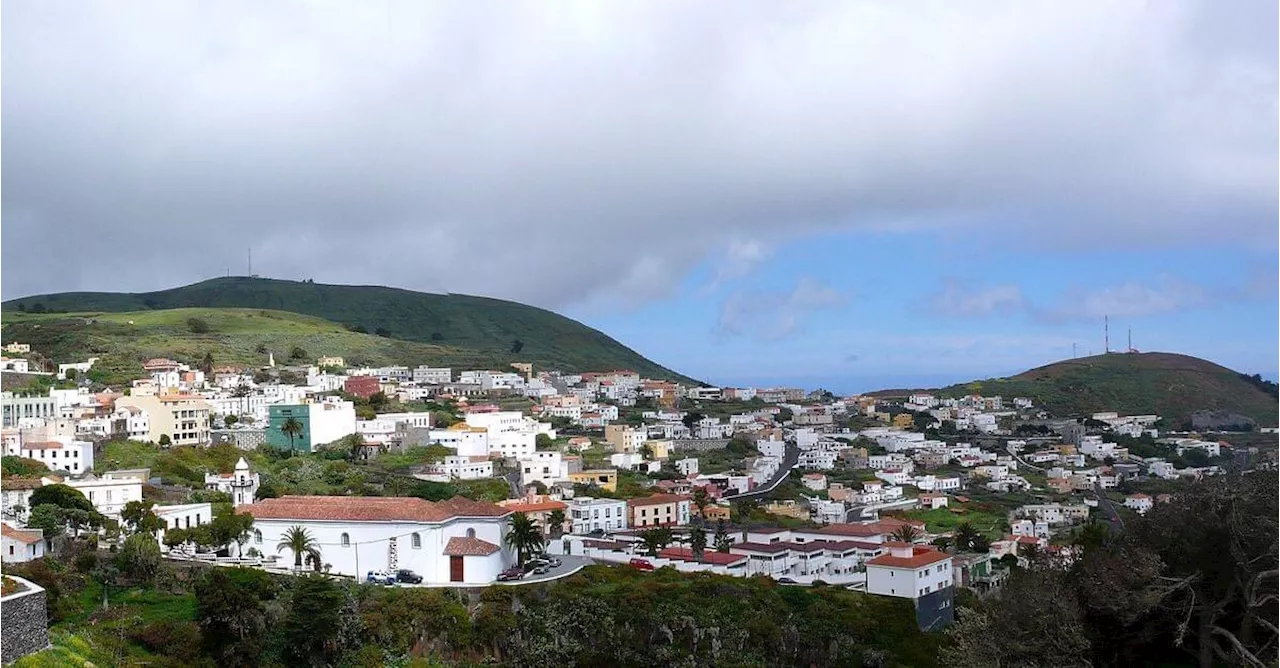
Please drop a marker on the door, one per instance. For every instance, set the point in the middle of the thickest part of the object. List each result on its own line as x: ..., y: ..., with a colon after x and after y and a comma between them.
x: 455, y: 569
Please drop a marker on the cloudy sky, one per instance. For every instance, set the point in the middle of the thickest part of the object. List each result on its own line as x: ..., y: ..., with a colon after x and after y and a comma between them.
x: 843, y: 193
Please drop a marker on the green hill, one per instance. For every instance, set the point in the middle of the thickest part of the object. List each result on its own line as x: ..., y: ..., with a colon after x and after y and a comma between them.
x: 1166, y: 384
x: 488, y: 328
x: 122, y: 341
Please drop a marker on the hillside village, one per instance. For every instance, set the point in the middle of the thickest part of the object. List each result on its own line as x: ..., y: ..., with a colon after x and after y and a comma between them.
x: 909, y: 498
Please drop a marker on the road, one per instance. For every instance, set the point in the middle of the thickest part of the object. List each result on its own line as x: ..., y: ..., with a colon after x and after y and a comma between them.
x: 1114, y: 521
x: 789, y: 460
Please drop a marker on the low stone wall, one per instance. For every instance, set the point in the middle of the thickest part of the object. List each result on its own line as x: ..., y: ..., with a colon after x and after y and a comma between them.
x: 24, y: 622
x: 699, y: 444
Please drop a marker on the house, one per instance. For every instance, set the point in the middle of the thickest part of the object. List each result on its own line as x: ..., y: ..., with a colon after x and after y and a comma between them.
x: 183, y: 516
x: 183, y: 418
x: 587, y: 514
x: 454, y: 467
x: 687, y: 467
x: 1139, y: 502
x: 932, y: 501
x: 658, y: 510
x: 19, y: 545
x: 771, y: 559
x: 362, y: 386
x: 542, y: 466
x: 321, y: 422
x: 455, y: 541
x: 16, y: 493
x: 606, y: 479
x: 538, y: 508
x: 814, y: 481
x: 732, y: 562
x: 466, y: 440
x: 58, y: 453
x: 917, y: 572
x: 241, y: 484
x: 108, y: 492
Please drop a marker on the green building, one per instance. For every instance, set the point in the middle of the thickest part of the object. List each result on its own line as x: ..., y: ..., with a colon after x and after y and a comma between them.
x: 279, y: 414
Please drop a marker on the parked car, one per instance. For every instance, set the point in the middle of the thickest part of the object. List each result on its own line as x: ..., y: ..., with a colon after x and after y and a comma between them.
x: 541, y: 570
x: 642, y: 565
x: 406, y: 575
x: 531, y: 564
x: 786, y: 581
x: 513, y: 573
x: 553, y: 562
x: 379, y: 577
x: 819, y: 583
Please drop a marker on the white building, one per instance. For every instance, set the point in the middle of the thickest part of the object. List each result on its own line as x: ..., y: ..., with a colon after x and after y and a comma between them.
x: 468, y: 441
x: 456, y: 541
x: 456, y: 467
x: 687, y: 467
x: 511, y: 434
x: 588, y: 514
x: 19, y: 545
x: 908, y: 571
x: 544, y: 466
x: 1139, y: 502
x: 820, y: 460
x: 432, y: 376
x: 109, y: 492
x: 814, y: 481
x: 59, y: 453
x: 241, y: 484
x: 183, y: 516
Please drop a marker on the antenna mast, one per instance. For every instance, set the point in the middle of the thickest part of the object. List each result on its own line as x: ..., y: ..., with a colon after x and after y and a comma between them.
x: 1130, y: 339
x: 1106, y: 335
x: 251, y: 261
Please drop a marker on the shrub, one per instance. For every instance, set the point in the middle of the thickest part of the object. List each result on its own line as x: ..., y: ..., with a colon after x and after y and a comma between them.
x: 176, y: 639
x: 197, y: 326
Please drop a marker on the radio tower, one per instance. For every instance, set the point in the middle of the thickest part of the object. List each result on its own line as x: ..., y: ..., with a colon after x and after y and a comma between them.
x: 1106, y: 335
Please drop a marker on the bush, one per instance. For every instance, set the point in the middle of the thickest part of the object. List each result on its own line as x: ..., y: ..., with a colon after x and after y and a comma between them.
x: 297, y: 353
x: 176, y: 639
x: 197, y: 326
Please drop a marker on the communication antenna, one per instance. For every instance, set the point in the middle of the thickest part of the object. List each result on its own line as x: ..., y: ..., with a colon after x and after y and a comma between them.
x: 1073, y: 350
x: 251, y: 260
x: 1106, y: 335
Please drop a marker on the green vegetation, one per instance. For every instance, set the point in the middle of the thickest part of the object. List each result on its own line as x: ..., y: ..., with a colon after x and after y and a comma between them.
x: 13, y: 466
x: 944, y: 520
x: 1165, y: 384
x: 453, y: 330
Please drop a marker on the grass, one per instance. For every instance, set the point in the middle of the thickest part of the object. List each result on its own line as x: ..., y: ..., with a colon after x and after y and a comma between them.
x: 944, y: 520
x: 1165, y: 384
x: 483, y: 328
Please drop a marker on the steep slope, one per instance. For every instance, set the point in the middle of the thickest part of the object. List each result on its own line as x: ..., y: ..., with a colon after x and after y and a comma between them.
x: 1171, y: 385
x: 491, y: 327
x: 122, y: 341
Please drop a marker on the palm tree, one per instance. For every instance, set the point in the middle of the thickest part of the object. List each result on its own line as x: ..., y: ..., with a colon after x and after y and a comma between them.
x: 243, y: 391
x: 907, y: 533
x: 556, y: 519
x: 292, y: 428
x: 966, y: 537
x: 300, y: 541
x: 701, y: 499
x: 525, y: 536
x: 698, y: 540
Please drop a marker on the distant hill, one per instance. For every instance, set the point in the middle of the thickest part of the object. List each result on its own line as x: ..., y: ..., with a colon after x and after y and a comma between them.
x: 495, y: 329
x: 1167, y: 384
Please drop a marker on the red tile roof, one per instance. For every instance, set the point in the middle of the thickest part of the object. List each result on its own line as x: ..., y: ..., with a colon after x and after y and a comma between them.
x: 370, y: 509
x: 41, y: 445
x: 21, y: 483
x: 657, y: 500
x: 708, y: 556
x: 761, y: 547
x: 921, y: 556
x: 27, y: 536
x: 460, y: 546
x: 537, y: 507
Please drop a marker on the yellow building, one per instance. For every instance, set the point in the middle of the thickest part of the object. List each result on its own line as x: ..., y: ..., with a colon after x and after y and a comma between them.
x: 659, y: 449
x: 606, y: 479
x: 184, y: 418
x: 787, y: 509
x: 623, y: 438
x: 904, y: 420
x: 331, y: 361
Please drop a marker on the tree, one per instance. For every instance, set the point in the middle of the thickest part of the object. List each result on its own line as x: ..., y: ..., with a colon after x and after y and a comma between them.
x: 298, y: 540
x: 524, y: 536
x: 230, y: 421
x: 62, y: 496
x: 906, y: 533
x: 165, y: 441
x: 543, y: 442
x: 646, y: 451
x: 206, y: 365
x: 176, y: 536
x: 378, y: 399
x: 656, y: 539
x: 48, y: 518
x: 197, y: 326
x: 516, y: 346
x: 1093, y: 535
x: 21, y: 467
x: 231, y: 612
x: 139, y: 557
x: 556, y: 519
x: 297, y: 353
x: 139, y: 518
x: 293, y: 429
x: 701, y: 500
x: 698, y: 540
x: 691, y: 418
x: 311, y: 629
x: 966, y: 538
x: 722, y: 540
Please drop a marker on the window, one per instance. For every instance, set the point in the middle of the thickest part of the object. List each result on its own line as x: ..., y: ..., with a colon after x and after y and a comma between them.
x: 257, y: 536
x: 471, y: 533
x: 11, y: 550
x: 346, y: 540
x: 417, y: 542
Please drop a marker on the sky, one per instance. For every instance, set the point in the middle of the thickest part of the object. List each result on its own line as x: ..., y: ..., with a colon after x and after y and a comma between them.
x: 841, y: 194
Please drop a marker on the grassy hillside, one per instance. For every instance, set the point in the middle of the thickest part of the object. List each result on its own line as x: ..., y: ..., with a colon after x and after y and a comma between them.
x: 123, y: 340
x: 1170, y: 385
x: 491, y: 327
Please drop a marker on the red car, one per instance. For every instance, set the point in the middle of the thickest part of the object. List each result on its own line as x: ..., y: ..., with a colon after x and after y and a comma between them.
x: 642, y: 565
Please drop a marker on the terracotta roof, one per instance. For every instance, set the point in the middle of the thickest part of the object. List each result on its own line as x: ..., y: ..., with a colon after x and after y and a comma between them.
x: 22, y: 535
x: 606, y: 544
x: 708, y: 556
x: 761, y: 547
x: 1139, y: 495
x: 656, y: 499
x: 21, y: 483
x: 921, y: 556
x: 460, y: 546
x: 537, y: 507
x: 842, y: 545
x: 370, y: 509
x: 858, y: 530
x: 41, y: 445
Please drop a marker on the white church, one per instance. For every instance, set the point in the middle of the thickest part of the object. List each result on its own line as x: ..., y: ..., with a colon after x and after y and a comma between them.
x: 458, y: 541
x: 241, y: 484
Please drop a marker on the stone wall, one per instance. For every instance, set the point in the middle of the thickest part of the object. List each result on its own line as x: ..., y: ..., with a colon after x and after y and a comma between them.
x: 24, y: 622
x: 699, y: 444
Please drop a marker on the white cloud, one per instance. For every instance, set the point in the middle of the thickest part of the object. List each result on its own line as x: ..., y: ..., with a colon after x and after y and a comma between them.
x: 772, y: 315
x: 967, y: 301
x: 600, y: 151
x: 1129, y: 300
